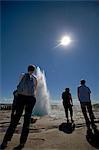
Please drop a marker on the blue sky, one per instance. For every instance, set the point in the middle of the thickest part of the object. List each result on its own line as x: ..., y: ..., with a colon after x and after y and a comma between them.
x: 31, y: 30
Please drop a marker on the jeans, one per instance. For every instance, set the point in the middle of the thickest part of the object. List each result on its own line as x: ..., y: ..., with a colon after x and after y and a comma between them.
x: 22, y: 102
x: 87, y: 107
x: 68, y: 108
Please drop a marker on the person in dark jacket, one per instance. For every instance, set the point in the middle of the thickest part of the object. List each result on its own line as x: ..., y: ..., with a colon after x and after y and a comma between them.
x: 68, y: 103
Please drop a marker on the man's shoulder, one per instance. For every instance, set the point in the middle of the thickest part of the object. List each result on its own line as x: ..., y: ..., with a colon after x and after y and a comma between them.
x: 83, y: 87
x: 79, y: 87
x: 24, y: 74
x: 21, y: 76
x: 88, y: 89
x: 63, y: 92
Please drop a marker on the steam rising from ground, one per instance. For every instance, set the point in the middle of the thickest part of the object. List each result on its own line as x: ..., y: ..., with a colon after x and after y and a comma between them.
x: 42, y: 106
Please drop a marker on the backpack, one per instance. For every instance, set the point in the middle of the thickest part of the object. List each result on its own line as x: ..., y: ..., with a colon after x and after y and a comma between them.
x: 26, y: 86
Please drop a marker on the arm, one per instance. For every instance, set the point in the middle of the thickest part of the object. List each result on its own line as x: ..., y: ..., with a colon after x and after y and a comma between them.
x: 78, y: 93
x: 71, y: 101
x: 89, y: 90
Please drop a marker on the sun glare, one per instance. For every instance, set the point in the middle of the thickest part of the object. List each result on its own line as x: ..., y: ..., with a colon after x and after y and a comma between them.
x: 65, y: 41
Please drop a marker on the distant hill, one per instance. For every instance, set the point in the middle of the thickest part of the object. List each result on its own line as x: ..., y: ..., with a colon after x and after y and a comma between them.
x: 96, y: 106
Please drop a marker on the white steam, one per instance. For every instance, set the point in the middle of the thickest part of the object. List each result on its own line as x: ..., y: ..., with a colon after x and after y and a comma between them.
x: 42, y: 106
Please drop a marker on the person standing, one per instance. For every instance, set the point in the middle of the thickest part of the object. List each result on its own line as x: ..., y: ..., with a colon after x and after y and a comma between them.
x: 83, y: 93
x: 68, y: 103
x: 25, y: 99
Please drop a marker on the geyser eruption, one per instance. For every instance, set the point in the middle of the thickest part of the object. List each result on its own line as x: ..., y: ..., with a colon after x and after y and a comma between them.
x: 42, y: 106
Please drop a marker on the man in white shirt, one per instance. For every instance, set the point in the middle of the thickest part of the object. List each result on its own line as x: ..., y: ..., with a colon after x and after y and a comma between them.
x: 84, y: 97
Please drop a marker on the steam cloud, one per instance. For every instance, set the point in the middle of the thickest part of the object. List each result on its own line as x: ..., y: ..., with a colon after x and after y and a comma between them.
x: 42, y: 106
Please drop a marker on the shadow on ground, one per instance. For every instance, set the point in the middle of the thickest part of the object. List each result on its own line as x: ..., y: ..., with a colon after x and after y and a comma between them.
x: 93, y: 138
x: 67, y: 127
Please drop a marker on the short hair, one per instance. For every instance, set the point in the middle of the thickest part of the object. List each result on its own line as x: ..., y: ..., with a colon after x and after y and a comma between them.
x: 67, y: 89
x: 31, y: 68
x: 82, y: 81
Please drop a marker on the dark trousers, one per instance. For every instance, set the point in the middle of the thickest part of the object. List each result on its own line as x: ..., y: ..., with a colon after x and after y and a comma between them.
x: 22, y: 102
x: 87, y: 107
x: 68, y: 108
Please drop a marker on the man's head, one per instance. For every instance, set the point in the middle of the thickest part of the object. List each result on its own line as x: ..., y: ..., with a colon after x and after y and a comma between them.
x: 82, y: 82
x: 67, y: 89
x: 31, y: 69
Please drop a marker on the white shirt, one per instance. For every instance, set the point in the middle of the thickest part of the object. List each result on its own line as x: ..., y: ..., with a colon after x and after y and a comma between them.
x: 84, y: 93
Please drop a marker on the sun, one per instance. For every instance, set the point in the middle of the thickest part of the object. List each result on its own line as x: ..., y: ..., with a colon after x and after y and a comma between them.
x: 66, y: 40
